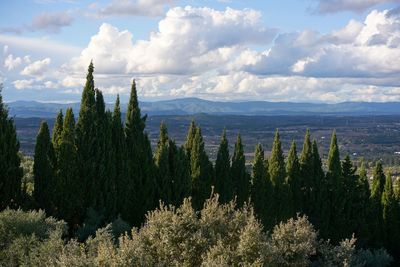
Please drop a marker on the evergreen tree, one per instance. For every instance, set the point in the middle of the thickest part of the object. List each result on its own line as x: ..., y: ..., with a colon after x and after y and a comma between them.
x: 362, y: 206
x: 238, y: 174
x: 190, y: 138
x: 141, y: 184
x: 261, y: 188
x: 119, y: 147
x: 396, y: 189
x: 57, y: 132
x: 223, y: 184
x: 350, y: 215
x: 86, y: 141
x: 179, y: 168
x: 334, y: 190
x: 69, y: 195
x: 391, y: 218
x: 161, y: 159
x: 375, y: 216
x: 43, y: 173
x: 277, y: 175
x: 293, y: 181
x: 306, y: 178
x: 321, y: 209
x: 201, y: 171
x: 10, y: 170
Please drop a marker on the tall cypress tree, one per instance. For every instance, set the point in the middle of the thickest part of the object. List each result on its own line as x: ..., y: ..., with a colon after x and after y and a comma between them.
x: 293, y: 181
x: 179, y: 167
x: 161, y: 160
x: 43, y: 173
x: 334, y: 189
x: 57, y: 132
x: 223, y: 184
x: 141, y: 185
x: 10, y: 170
x: 321, y: 206
x: 307, y: 177
x: 396, y: 189
x: 375, y: 216
x: 69, y: 191
x: 201, y: 171
x: 238, y: 174
x: 190, y: 138
x: 391, y: 218
x: 362, y: 206
x: 119, y: 147
x: 277, y: 173
x: 86, y: 141
x: 261, y: 188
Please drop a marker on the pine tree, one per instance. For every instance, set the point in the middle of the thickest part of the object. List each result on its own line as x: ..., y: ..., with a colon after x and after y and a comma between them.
x: 119, y: 147
x: 69, y: 193
x: 141, y: 184
x: 161, y: 159
x: 10, y: 170
x: 293, y: 181
x: 375, y: 216
x: 43, y: 172
x: 261, y: 188
x: 390, y: 218
x: 223, y: 184
x: 238, y: 174
x: 277, y: 175
x: 307, y: 185
x: 201, y: 171
x: 86, y: 141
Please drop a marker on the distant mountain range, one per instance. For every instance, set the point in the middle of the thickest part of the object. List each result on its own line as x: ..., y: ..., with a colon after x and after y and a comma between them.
x: 187, y: 106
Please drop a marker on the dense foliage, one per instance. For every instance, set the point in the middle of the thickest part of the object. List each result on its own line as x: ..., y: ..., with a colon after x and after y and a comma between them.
x: 98, y: 169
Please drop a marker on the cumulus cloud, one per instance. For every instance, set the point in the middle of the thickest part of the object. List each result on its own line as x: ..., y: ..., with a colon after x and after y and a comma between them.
x: 47, y: 22
x: 188, y: 40
x: 37, y: 69
x: 135, y: 8
x: 334, y: 6
x: 11, y: 63
x: 23, y: 84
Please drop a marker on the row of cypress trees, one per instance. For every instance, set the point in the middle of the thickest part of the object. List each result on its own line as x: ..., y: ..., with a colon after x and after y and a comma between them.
x: 101, y: 163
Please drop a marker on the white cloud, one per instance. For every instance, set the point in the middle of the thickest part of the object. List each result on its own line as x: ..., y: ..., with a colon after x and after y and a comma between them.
x: 135, y: 8
x: 37, y: 69
x: 334, y: 6
x: 51, y: 22
x: 5, y: 49
x: 11, y: 63
x: 23, y: 84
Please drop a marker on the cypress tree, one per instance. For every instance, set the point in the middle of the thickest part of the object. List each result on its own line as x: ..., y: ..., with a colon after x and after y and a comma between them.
x: 43, y: 173
x: 57, y: 131
x: 362, y: 206
x: 161, y: 159
x: 321, y: 205
x: 201, y: 171
x: 375, y: 217
x: 86, y: 141
x: 190, y: 138
x: 334, y: 189
x: 307, y: 177
x: 223, y: 184
x: 238, y: 174
x: 390, y: 218
x: 179, y: 168
x: 293, y: 181
x: 277, y: 175
x: 69, y: 191
x: 119, y: 147
x: 141, y: 184
x: 10, y: 170
x: 396, y: 189
x: 261, y: 188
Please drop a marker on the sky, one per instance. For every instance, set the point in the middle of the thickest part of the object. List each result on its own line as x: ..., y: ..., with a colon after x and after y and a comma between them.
x: 227, y: 50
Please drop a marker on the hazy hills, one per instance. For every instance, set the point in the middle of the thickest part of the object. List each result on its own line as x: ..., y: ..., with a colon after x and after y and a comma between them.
x: 187, y: 106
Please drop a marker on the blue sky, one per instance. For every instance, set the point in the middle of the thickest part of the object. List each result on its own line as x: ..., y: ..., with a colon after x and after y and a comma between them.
x: 297, y: 50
